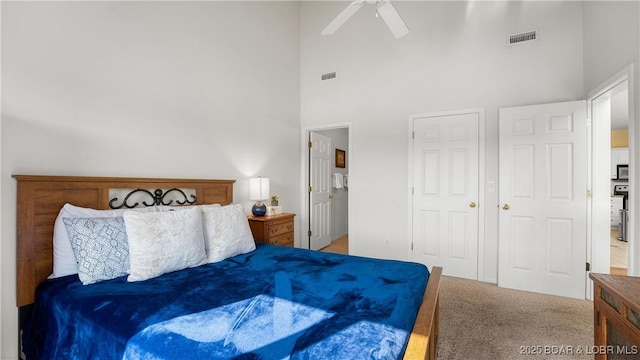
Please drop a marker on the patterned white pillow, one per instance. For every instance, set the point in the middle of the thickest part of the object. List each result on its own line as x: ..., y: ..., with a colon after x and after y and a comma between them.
x: 100, y: 247
x: 227, y: 232
x: 162, y: 242
x: 64, y: 260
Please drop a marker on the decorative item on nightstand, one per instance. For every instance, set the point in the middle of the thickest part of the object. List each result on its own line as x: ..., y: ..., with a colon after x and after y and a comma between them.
x: 274, y: 210
x: 259, y: 190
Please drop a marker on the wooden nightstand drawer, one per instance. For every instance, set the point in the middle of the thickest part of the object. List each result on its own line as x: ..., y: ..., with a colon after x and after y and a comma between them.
x: 274, y: 229
x: 283, y: 240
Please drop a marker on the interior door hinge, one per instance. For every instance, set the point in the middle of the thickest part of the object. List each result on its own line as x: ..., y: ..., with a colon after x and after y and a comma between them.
x: 309, y: 233
x: 413, y: 134
x: 588, y: 194
x: 411, y: 246
x: 310, y: 188
x: 588, y: 267
x: 309, y: 144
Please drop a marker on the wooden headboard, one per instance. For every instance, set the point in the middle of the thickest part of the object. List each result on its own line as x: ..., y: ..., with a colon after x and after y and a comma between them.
x: 40, y: 198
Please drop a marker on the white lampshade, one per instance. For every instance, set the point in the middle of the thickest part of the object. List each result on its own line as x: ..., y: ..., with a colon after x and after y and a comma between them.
x: 259, y: 189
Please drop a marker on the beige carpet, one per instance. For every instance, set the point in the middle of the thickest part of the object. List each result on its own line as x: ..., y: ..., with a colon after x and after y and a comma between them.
x: 482, y: 321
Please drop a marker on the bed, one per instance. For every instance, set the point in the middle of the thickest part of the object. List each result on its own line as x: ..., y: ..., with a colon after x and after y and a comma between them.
x: 266, y: 303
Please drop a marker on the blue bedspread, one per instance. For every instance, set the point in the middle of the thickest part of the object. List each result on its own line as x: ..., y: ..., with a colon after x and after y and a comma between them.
x: 273, y: 303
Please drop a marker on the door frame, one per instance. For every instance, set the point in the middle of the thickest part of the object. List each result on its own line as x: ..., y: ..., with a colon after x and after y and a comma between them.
x: 481, y: 181
x: 627, y: 74
x: 304, y: 212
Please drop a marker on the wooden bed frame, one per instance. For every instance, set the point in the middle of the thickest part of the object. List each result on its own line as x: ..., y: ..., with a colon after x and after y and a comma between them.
x: 40, y: 198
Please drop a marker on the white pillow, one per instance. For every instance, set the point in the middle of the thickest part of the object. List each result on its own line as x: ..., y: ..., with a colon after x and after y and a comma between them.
x: 160, y: 208
x: 227, y: 232
x: 162, y: 242
x: 64, y: 260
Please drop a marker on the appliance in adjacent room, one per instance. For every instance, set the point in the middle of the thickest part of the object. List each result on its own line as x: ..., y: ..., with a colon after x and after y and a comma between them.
x: 622, y: 225
x: 623, y: 172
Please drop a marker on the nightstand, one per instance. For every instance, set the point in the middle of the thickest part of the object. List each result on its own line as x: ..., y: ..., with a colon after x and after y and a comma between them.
x: 273, y: 229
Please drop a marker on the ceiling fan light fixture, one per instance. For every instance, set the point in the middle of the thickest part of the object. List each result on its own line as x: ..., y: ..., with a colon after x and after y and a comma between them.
x: 392, y: 19
x: 384, y: 9
x: 342, y: 18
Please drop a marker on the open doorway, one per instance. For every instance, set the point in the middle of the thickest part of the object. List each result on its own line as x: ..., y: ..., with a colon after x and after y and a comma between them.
x: 611, y: 238
x: 619, y: 177
x: 338, y: 180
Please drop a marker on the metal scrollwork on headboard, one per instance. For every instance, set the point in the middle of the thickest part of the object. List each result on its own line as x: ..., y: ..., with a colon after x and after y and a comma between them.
x: 158, y: 197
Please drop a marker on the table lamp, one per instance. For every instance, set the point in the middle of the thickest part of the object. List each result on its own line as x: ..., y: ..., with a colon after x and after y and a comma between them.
x: 259, y: 190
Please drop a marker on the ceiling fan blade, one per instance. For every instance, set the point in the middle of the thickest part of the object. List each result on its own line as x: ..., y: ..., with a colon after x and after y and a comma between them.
x: 393, y: 19
x: 342, y: 17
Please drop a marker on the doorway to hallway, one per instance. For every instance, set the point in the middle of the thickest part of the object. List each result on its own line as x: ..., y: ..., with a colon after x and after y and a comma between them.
x: 616, y: 100
x: 336, y: 224
x: 610, y: 111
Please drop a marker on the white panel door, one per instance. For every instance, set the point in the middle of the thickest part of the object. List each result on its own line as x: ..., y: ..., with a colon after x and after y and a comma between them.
x: 445, y: 193
x: 319, y: 191
x: 543, y: 202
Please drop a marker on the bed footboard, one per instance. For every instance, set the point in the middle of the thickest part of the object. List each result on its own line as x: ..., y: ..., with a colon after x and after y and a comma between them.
x: 423, y: 342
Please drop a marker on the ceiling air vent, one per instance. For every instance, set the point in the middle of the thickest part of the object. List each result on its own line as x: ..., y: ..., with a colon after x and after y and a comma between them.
x: 523, y: 37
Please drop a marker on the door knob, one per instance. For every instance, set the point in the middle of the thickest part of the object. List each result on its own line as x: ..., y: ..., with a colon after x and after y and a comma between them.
x: 505, y: 207
x: 472, y: 204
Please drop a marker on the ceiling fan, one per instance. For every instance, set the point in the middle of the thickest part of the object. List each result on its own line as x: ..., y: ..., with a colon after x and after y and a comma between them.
x: 383, y: 8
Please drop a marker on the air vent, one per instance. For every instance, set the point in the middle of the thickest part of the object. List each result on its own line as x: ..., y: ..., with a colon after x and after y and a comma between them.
x: 327, y: 76
x: 523, y: 37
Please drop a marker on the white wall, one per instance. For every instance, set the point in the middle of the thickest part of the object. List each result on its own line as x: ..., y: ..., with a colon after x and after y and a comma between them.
x: 455, y: 57
x: 146, y: 89
x: 612, y: 43
x: 612, y: 37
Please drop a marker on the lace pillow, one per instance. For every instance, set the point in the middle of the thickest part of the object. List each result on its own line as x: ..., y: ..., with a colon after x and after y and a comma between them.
x: 163, y: 242
x: 227, y: 232
x: 100, y: 247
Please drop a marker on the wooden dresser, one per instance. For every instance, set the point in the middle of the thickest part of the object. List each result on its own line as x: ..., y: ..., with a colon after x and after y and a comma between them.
x: 616, y: 307
x: 273, y: 229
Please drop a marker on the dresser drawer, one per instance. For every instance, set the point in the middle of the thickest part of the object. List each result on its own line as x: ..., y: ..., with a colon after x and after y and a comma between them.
x: 279, y: 228
x: 284, y: 239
